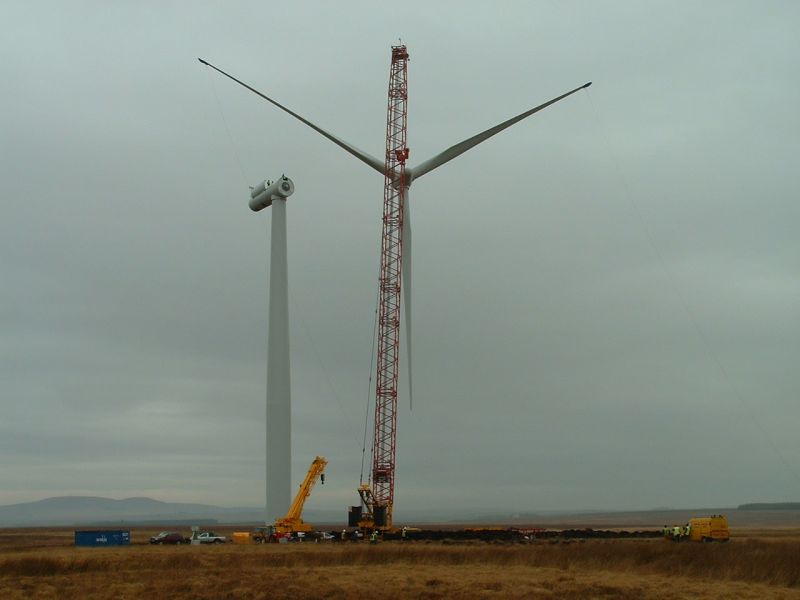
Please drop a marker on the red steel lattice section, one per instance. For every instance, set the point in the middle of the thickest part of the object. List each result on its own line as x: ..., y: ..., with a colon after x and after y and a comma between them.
x: 384, y: 443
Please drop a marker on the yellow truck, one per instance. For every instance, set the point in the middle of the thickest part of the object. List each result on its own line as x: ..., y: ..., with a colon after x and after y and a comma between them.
x: 709, y: 529
x: 704, y: 529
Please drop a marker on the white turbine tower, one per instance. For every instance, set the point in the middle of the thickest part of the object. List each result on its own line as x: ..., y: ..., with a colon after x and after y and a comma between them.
x: 279, y: 391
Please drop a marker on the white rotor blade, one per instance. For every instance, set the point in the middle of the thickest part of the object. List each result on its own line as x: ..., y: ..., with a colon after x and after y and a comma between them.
x: 406, y: 284
x: 454, y: 151
x: 359, y: 154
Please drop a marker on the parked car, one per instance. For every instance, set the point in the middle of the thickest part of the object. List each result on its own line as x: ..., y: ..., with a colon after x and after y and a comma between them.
x: 209, y: 537
x: 168, y: 537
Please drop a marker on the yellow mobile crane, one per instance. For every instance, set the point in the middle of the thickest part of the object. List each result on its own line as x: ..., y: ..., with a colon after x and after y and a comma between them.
x: 293, y: 521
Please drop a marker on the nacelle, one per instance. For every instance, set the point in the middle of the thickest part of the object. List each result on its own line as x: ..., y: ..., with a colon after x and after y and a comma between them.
x: 264, y: 193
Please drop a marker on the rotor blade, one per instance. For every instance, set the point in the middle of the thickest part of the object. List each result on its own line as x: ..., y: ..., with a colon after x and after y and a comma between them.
x: 454, y: 151
x: 359, y: 154
x: 406, y: 284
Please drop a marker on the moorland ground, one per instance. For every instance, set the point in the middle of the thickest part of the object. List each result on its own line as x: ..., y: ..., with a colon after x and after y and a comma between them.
x: 43, y: 563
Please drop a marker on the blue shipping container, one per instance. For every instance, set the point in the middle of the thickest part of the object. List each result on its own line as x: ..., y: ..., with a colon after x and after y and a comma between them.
x: 116, y: 537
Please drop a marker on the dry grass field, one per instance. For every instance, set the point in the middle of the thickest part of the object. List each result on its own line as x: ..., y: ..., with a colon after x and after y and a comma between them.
x: 758, y: 565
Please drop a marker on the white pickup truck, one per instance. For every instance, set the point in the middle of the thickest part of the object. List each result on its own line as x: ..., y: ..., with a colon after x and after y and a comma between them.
x: 209, y: 537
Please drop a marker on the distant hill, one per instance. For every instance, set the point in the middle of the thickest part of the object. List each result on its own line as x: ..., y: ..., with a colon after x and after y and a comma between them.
x: 770, y: 506
x: 93, y: 510
x: 74, y: 510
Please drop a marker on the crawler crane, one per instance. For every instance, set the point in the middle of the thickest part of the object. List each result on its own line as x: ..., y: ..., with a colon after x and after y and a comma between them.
x: 377, y: 497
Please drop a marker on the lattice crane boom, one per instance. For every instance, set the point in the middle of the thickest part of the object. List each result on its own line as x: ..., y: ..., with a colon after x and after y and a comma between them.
x: 378, y: 499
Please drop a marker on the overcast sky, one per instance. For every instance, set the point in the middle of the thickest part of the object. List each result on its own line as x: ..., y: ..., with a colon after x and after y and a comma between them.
x: 606, y: 295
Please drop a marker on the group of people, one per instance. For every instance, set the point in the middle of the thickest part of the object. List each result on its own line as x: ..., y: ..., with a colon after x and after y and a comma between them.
x: 676, y: 532
x: 374, y: 536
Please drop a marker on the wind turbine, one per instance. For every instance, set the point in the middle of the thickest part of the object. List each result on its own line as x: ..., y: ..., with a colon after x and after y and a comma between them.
x: 401, y: 177
x: 279, y: 390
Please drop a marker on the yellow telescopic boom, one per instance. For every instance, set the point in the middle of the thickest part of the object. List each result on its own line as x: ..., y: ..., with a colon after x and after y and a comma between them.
x: 293, y: 520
